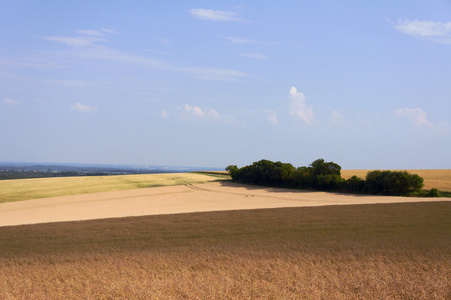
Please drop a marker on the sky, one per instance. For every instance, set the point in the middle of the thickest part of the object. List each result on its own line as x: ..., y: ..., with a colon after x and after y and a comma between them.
x: 365, y: 84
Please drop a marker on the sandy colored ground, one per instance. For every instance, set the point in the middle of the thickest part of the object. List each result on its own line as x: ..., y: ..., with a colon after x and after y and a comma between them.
x: 216, y: 196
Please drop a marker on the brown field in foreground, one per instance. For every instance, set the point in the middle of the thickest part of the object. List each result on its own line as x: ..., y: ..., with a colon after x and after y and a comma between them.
x: 437, y: 178
x: 377, y: 251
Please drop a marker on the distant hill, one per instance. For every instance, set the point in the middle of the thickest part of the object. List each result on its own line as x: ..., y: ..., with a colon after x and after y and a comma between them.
x: 16, y: 170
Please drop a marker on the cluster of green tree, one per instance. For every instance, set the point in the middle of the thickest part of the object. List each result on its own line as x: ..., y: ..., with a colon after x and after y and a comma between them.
x: 325, y: 176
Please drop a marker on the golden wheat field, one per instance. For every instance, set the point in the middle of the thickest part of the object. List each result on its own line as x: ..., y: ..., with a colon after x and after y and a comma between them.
x: 378, y: 251
x: 437, y: 178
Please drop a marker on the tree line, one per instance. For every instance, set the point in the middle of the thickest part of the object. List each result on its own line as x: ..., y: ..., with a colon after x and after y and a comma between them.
x: 326, y: 176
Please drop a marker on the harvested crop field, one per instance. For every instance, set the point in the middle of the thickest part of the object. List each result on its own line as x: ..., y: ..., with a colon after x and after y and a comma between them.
x: 377, y: 251
x: 214, y: 196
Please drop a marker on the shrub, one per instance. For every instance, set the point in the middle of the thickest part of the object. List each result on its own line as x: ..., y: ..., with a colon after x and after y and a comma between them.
x: 355, y: 184
x: 434, y: 193
x: 393, y: 182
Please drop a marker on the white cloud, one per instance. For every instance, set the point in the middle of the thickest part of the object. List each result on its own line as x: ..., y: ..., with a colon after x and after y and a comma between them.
x: 83, y: 108
x: 255, y: 55
x: 436, y: 31
x: 240, y: 41
x: 189, y: 112
x: 215, y: 15
x: 299, y: 108
x: 416, y: 115
x: 10, y: 102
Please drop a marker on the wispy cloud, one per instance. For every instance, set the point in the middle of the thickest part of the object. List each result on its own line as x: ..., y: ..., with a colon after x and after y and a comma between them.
x: 10, y: 102
x: 239, y: 41
x: 83, y: 108
x: 195, y: 112
x: 416, y: 115
x: 74, y: 41
x: 298, y: 107
x: 86, y: 47
x: 27, y: 63
x: 336, y: 117
x: 216, y: 15
x: 86, y: 37
x: 255, y: 55
x: 164, y: 114
x: 91, y: 32
x: 216, y: 74
x: 435, y: 31
x: 272, y: 117
x: 69, y: 83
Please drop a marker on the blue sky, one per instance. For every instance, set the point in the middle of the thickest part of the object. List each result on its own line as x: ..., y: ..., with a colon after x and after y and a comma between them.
x: 366, y: 84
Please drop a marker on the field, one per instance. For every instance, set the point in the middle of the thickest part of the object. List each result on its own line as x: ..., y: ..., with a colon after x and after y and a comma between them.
x: 439, y: 179
x: 380, y: 251
x: 219, y: 240
x: 24, y: 189
x: 187, y: 198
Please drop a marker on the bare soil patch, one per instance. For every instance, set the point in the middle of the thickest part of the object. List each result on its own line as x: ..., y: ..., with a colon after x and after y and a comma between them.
x: 215, y: 196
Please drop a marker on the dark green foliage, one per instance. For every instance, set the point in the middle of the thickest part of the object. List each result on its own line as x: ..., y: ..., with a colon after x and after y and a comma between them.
x: 393, y: 182
x: 232, y: 169
x: 355, y: 184
x: 263, y: 172
x: 326, y: 176
x: 319, y: 175
x: 434, y: 193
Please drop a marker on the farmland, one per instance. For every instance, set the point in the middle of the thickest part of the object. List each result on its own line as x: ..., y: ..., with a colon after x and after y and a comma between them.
x: 189, y: 236
x: 380, y: 251
x: 24, y: 189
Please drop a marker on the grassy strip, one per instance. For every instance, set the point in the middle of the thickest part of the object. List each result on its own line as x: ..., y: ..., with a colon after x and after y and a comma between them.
x: 24, y: 189
x: 396, y: 251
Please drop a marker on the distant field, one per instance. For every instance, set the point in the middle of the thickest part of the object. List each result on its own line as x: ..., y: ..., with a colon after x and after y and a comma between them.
x: 24, y: 189
x: 439, y: 179
x: 382, y: 251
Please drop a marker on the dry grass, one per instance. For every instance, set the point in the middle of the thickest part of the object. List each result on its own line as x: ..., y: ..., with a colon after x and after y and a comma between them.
x: 390, y: 251
x: 439, y: 179
x: 24, y: 189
